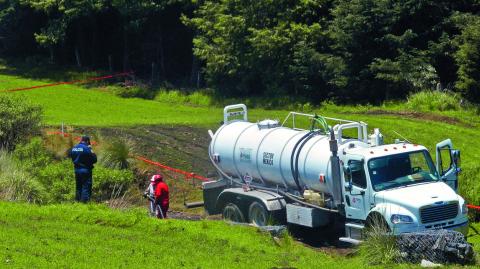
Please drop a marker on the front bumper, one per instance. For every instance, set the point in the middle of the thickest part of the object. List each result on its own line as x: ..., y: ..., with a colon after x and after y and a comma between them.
x: 461, y: 226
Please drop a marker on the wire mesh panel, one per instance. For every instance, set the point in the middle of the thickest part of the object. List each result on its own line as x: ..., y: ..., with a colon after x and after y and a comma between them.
x: 438, y: 246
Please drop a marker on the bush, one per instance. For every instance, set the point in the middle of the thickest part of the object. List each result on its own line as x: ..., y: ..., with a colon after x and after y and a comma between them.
x: 59, y: 180
x: 199, y: 98
x: 135, y: 92
x: 434, y: 101
x: 110, y: 183
x: 18, y: 120
x: 32, y: 155
x: 117, y: 154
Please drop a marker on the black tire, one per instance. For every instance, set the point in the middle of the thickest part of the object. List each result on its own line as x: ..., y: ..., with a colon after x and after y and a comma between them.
x: 258, y: 215
x: 376, y: 223
x: 231, y: 212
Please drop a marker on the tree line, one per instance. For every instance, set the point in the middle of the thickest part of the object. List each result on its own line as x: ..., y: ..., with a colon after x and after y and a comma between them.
x: 341, y: 50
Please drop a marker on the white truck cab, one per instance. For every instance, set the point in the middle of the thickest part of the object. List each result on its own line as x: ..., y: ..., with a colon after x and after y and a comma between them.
x: 401, y: 183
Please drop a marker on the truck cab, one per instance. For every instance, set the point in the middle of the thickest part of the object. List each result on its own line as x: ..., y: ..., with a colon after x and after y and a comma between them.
x: 399, y: 186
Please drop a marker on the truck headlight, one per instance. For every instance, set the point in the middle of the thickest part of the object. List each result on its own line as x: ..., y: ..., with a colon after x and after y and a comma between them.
x: 397, y: 218
x: 464, y: 209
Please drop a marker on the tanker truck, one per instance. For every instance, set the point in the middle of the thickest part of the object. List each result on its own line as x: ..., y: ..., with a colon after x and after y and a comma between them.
x: 334, y: 169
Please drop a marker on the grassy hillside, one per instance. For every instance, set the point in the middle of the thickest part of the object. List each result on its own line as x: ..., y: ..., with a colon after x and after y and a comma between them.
x: 79, y: 106
x: 79, y: 236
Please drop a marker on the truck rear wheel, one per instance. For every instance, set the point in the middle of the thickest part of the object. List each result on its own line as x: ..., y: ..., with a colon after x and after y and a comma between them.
x: 231, y: 212
x: 258, y: 214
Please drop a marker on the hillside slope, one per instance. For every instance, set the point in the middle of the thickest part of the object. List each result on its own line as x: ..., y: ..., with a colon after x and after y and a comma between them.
x: 77, y: 106
x: 79, y: 236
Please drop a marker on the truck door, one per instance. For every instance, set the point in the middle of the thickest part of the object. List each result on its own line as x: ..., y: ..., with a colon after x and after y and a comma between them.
x: 355, y: 189
x: 447, y: 163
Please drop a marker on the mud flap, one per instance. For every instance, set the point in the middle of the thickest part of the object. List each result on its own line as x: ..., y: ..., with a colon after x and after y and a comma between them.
x: 211, y: 192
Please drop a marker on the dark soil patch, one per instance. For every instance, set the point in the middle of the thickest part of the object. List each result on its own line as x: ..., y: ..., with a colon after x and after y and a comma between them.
x: 181, y: 147
x: 420, y: 115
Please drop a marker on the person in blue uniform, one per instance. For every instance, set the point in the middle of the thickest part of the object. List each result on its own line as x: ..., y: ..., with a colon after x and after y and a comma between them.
x: 83, y: 159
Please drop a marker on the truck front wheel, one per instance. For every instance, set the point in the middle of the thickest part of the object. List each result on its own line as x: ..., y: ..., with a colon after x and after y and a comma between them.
x: 376, y: 223
x: 231, y: 212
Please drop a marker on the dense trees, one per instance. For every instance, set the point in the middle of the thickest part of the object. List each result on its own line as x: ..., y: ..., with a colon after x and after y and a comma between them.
x: 346, y: 50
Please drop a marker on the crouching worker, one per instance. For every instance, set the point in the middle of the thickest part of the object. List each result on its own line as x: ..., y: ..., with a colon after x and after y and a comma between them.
x: 83, y: 160
x: 157, y: 194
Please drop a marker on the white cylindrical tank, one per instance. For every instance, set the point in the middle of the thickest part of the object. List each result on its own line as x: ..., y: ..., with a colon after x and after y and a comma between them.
x: 263, y: 151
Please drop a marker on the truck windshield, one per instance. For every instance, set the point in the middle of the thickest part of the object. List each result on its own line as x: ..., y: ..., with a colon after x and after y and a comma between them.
x: 401, y: 170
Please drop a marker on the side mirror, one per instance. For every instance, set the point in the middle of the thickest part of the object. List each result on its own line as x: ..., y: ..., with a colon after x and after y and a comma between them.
x: 348, y: 178
x: 456, y: 157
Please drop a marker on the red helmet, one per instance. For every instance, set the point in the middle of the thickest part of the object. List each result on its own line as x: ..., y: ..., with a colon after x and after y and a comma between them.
x: 156, y: 178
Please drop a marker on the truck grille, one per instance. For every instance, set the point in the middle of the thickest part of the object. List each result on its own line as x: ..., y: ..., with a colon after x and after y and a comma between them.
x: 433, y: 213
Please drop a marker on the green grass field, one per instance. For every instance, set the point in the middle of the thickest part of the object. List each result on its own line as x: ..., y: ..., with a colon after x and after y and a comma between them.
x: 77, y: 235
x: 81, y: 236
x: 93, y: 236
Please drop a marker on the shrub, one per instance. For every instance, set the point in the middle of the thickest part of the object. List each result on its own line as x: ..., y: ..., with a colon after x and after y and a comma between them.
x: 434, y: 101
x: 59, y: 180
x: 32, y: 155
x: 135, y: 92
x: 117, y: 154
x: 110, y: 183
x: 18, y: 120
x: 199, y: 98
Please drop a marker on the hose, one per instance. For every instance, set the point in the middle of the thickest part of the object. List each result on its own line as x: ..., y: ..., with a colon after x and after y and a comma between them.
x: 297, y: 156
x: 292, y: 168
x: 322, y: 121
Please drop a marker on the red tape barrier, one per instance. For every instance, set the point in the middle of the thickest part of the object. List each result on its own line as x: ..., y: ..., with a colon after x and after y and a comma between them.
x: 69, y: 82
x: 474, y: 207
x: 178, y: 171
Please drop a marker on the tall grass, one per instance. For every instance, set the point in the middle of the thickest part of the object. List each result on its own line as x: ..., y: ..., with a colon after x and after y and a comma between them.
x: 16, y: 184
x: 197, y: 98
x: 379, y: 248
x: 434, y: 101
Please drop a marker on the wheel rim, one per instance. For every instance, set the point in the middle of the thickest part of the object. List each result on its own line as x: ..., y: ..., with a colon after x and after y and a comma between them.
x: 258, y: 216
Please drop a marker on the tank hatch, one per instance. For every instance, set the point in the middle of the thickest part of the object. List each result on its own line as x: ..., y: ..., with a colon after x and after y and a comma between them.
x: 268, y: 124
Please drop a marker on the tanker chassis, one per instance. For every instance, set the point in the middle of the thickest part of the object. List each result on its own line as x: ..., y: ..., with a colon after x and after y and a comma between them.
x: 313, y: 177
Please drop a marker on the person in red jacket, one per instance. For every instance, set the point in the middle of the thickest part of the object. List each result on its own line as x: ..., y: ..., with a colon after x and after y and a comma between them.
x: 160, y: 194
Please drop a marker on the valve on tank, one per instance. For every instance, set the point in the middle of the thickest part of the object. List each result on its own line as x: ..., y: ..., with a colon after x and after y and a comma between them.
x: 376, y: 139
